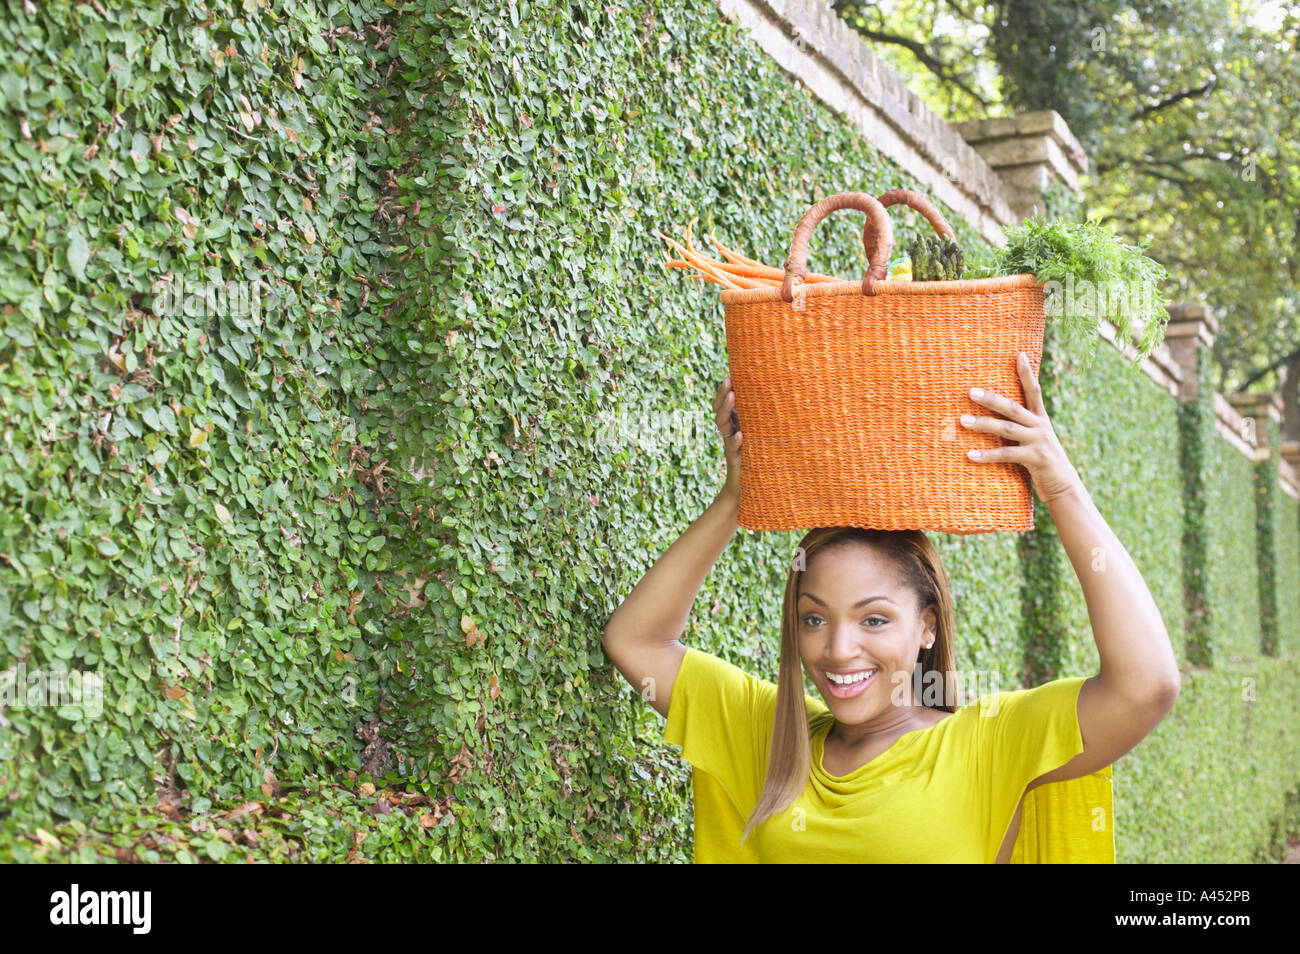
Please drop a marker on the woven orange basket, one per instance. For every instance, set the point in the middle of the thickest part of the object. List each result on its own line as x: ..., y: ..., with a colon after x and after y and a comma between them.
x: 849, y: 393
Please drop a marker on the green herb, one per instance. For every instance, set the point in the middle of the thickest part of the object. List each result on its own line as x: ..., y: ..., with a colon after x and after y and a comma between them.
x: 936, y: 259
x: 1090, y: 274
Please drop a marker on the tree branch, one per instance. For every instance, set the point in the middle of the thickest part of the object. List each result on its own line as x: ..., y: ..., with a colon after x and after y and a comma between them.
x: 1204, y: 90
x: 915, y: 47
x: 1267, y: 370
x: 1148, y: 166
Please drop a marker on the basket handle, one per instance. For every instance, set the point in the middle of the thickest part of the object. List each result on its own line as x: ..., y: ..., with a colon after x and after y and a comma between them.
x: 916, y: 201
x: 878, y: 232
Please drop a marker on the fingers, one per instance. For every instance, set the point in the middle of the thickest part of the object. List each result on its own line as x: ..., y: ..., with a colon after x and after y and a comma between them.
x: 723, y: 390
x: 996, y: 425
x: 1033, y: 391
x: 728, y: 421
x: 1008, y: 408
x: 1018, y: 422
x: 724, y: 408
x: 1016, y: 454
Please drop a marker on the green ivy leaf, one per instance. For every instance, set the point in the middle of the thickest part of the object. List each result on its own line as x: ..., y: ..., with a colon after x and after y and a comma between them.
x: 78, y: 252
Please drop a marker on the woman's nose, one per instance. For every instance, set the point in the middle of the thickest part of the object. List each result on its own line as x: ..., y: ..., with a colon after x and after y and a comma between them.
x: 844, y: 648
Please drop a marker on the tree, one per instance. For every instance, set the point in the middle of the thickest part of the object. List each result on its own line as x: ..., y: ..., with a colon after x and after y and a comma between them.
x: 1188, y: 112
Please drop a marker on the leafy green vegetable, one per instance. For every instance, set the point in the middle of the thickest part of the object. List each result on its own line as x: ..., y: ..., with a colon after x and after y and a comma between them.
x: 1090, y: 274
x: 1088, y: 271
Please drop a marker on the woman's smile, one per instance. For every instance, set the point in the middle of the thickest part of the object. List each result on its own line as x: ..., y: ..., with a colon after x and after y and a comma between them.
x: 845, y: 684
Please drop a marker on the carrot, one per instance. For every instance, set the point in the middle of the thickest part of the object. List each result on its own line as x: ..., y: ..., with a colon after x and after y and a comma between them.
x: 707, y: 278
x: 765, y: 273
x: 751, y: 271
x: 737, y: 272
x: 703, y: 265
x: 680, y: 264
x: 743, y: 281
x: 734, y: 256
x: 696, y: 259
x: 720, y: 277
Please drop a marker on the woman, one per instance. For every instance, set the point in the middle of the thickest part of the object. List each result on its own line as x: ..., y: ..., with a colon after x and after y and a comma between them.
x: 874, y: 773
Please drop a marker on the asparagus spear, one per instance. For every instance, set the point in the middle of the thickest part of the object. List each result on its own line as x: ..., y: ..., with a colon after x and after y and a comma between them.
x: 936, y: 259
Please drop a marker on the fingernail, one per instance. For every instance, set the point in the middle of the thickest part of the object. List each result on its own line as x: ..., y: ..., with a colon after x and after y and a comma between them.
x: 975, y: 392
x: 973, y: 453
x: 968, y: 418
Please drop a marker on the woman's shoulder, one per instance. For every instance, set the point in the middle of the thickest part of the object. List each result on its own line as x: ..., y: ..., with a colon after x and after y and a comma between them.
x: 964, y: 717
x: 994, y: 701
x: 1004, y: 716
x: 713, y: 673
x: 707, y: 667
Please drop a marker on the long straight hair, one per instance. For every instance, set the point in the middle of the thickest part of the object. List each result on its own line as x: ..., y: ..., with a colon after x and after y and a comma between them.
x: 921, y: 569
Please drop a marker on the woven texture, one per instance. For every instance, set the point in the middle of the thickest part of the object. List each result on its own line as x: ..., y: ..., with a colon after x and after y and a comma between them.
x: 849, y: 402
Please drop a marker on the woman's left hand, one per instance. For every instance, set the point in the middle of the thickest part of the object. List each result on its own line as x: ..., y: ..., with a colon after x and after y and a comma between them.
x: 1037, y: 448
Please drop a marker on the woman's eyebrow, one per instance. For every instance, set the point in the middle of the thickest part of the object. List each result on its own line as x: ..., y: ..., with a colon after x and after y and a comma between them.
x: 869, y: 599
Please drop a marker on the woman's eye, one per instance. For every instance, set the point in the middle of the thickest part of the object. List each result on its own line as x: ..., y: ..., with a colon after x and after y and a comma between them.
x: 809, y: 620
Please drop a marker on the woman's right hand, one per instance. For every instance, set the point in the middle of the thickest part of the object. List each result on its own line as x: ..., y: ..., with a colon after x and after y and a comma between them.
x: 724, y: 411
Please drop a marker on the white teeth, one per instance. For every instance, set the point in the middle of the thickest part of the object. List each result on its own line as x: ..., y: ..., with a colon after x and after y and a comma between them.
x: 848, y: 680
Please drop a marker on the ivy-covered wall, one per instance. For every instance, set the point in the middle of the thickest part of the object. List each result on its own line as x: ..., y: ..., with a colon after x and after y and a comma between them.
x: 1279, y: 574
x: 586, y: 372
x: 1234, y: 582
x: 1221, y: 538
x: 344, y: 568
x: 1286, y: 574
x: 1216, y: 780
x: 1207, y: 786
x: 1125, y: 448
x: 181, y: 507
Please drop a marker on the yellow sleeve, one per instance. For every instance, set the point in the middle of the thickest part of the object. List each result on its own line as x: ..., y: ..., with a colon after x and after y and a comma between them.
x: 721, y: 716
x: 719, y: 823
x: 717, y: 714
x: 1025, y: 734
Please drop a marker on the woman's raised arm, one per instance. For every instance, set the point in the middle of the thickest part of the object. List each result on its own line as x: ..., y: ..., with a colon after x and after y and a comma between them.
x: 641, y: 638
x: 1138, y: 681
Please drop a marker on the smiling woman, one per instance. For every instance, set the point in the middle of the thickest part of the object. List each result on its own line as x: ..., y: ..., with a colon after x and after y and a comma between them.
x: 868, y: 773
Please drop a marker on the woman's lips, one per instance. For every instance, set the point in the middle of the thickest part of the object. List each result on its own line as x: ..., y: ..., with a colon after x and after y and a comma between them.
x: 848, y: 692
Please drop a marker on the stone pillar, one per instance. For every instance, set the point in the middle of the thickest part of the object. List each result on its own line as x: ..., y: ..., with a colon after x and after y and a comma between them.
x: 1258, y: 415
x: 1192, y: 327
x: 1288, y: 469
x: 1259, y: 427
x: 1029, y: 152
x: 1290, y: 452
x: 1189, y: 336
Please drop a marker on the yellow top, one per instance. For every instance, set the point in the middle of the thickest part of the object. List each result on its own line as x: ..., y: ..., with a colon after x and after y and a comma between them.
x: 944, y: 793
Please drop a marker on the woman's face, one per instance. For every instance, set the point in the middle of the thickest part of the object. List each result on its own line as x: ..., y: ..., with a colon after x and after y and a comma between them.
x: 855, y: 619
